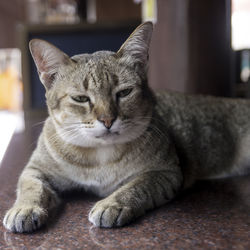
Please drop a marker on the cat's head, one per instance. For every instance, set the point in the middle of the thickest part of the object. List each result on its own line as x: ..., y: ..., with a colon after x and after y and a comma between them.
x: 101, y: 98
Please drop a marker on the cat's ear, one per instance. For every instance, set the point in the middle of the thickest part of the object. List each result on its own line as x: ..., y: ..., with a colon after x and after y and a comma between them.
x: 136, y: 47
x: 48, y: 59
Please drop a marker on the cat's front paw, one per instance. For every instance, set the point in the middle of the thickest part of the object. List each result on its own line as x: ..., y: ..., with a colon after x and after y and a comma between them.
x: 22, y: 219
x: 108, y: 213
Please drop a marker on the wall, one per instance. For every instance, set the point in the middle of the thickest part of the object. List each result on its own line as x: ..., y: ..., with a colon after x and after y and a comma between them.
x: 209, y: 46
x: 190, y: 50
x: 117, y: 10
x: 11, y: 12
x: 169, y: 47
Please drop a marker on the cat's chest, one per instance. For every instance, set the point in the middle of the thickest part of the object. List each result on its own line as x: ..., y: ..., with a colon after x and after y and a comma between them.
x: 104, y: 155
x: 101, y: 178
x: 100, y: 171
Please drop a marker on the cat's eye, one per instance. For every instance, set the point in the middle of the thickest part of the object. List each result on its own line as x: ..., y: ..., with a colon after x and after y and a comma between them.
x: 80, y: 98
x: 123, y: 93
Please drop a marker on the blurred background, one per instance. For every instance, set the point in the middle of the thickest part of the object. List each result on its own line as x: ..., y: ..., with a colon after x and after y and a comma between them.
x: 198, y: 47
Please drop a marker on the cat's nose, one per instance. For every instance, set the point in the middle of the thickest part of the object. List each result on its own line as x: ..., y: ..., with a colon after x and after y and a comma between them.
x: 107, y: 121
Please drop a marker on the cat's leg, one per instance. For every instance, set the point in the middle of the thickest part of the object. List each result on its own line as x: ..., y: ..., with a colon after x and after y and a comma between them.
x: 35, y: 198
x: 145, y: 192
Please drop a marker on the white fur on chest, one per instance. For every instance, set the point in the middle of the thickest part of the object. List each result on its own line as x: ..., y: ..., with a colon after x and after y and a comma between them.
x: 105, y: 154
x: 103, y: 177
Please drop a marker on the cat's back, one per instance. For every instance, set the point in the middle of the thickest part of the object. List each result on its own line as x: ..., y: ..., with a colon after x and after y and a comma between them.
x: 208, y: 131
x: 204, y: 108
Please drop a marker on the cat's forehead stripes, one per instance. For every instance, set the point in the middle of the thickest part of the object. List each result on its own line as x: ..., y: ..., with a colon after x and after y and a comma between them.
x: 85, y: 84
x: 93, y: 80
x: 114, y: 79
x: 99, y: 76
x: 109, y: 77
x: 98, y: 71
x: 106, y: 76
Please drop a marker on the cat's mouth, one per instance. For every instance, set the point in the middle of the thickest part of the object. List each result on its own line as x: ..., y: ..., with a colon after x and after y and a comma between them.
x: 107, y: 134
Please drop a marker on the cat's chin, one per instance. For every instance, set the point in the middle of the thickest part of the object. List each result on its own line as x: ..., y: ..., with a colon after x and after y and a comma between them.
x: 105, y: 139
x: 107, y: 135
x: 97, y: 141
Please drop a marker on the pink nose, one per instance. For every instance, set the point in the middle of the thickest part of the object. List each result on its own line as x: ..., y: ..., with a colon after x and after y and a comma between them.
x: 107, y: 121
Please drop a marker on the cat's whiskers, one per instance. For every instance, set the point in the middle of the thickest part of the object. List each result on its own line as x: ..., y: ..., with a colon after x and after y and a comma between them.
x: 152, y: 118
x: 38, y: 123
x: 153, y: 127
x: 147, y: 139
x: 74, y: 136
x: 80, y: 124
x: 144, y: 139
x: 130, y: 125
x: 70, y: 131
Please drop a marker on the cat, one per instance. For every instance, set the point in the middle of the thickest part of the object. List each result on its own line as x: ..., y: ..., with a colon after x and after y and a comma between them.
x: 108, y: 133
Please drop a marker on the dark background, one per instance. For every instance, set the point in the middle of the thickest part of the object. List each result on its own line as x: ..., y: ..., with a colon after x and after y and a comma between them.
x: 191, y: 46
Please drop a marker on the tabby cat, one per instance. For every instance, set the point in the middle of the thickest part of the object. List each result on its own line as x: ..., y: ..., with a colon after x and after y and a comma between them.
x: 109, y: 134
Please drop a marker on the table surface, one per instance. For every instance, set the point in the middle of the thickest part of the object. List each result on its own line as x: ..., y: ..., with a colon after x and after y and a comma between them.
x: 213, y: 214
